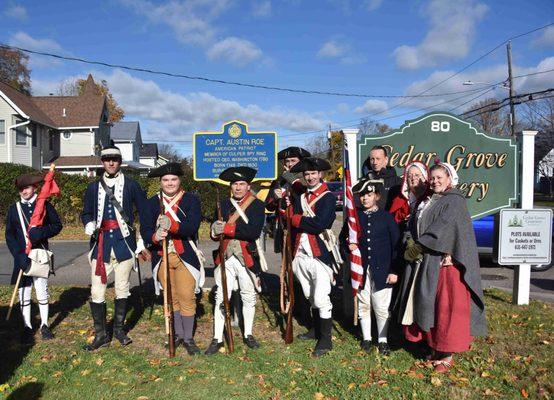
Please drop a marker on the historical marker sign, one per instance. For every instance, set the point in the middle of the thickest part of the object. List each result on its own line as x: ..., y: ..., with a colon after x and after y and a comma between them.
x: 525, y: 236
x: 486, y: 164
x: 234, y: 146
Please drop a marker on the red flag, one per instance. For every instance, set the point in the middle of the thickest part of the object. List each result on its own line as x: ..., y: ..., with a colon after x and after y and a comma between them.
x: 49, y: 188
x: 356, y: 269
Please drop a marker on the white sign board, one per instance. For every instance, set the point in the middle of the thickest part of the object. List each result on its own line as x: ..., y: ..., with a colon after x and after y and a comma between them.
x: 525, y: 236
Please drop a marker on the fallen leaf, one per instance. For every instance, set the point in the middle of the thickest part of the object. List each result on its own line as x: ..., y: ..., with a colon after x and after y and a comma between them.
x: 319, y: 396
x: 382, y: 382
x: 351, y: 386
x: 99, y: 361
x: 524, y: 393
x: 435, y: 381
x: 85, y: 372
x: 4, y: 387
x: 142, y: 398
x: 485, y: 374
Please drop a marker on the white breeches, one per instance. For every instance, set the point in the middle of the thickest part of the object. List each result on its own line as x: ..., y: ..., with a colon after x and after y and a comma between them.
x: 238, y: 277
x: 315, y: 278
x: 379, y: 301
x: 122, y: 274
x: 41, y: 291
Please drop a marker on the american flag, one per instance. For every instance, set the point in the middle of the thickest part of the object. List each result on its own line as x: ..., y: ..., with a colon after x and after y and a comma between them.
x: 356, y: 269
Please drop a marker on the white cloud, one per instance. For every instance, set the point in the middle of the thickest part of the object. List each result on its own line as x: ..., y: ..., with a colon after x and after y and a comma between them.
x: 546, y: 39
x: 338, y: 48
x: 261, y: 8
x: 452, y: 30
x: 372, y: 106
x: 23, y: 40
x: 176, y: 116
x: 372, y: 5
x: 481, y: 78
x: 235, y: 50
x: 16, y: 11
x: 193, y: 23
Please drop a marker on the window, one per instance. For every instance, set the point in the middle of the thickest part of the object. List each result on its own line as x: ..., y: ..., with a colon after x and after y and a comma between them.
x: 2, y: 131
x: 67, y: 135
x: 21, y: 135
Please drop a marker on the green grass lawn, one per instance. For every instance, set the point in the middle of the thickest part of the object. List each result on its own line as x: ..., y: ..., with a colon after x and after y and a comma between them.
x: 515, y: 361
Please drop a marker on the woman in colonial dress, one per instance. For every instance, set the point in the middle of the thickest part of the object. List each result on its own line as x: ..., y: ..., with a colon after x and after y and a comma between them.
x: 442, y: 299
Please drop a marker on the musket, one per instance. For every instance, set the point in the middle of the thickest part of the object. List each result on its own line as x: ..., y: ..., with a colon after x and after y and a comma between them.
x: 287, y: 281
x: 226, y: 305
x: 168, y: 301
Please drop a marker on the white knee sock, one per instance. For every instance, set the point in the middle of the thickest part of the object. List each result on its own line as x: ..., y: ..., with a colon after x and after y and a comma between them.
x: 25, y: 304
x: 365, y: 324
x: 219, y: 323
x: 382, y: 328
x: 41, y: 289
x: 248, y: 315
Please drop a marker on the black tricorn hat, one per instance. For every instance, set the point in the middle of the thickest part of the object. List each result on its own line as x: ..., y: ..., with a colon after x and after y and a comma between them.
x: 235, y: 174
x: 366, y: 185
x: 22, y: 181
x: 172, y: 168
x: 293, y: 151
x: 311, y: 164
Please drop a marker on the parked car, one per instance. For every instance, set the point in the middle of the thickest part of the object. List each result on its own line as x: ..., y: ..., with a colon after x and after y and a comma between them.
x: 336, y: 189
x: 485, y: 236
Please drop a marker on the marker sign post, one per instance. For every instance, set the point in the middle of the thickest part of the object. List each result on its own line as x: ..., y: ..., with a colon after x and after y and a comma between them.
x: 234, y: 146
x: 525, y: 236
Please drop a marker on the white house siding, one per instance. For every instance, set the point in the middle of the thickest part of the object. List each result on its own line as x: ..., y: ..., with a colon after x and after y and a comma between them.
x: 36, y: 151
x: 151, y: 161
x: 21, y: 154
x: 6, y: 114
x: 126, y: 150
x: 80, y: 144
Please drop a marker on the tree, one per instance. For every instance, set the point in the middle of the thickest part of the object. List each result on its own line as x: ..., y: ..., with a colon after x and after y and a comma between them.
x: 370, y: 127
x: 169, y: 152
x: 77, y: 87
x: 496, y: 122
x: 14, y: 69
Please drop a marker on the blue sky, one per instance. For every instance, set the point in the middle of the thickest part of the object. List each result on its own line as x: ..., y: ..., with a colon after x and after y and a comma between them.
x: 375, y: 47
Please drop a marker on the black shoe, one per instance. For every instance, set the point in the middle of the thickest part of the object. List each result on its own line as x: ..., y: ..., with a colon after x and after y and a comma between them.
x: 309, y: 335
x: 177, y: 341
x: 190, y: 346
x: 384, y: 348
x: 28, y: 336
x: 324, y: 344
x: 366, y: 345
x: 119, y: 321
x: 101, y: 339
x: 46, y: 333
x: 251, y: 342
x: 213, y: 348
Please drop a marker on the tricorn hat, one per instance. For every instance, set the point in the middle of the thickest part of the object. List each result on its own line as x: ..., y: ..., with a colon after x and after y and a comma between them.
x: 311, y: 164
x: 111, y: 151
x: 22, y: 181
x: 172, y: 168
x: 235, y: 174
x: 293, y: 151
x: 365, y: 185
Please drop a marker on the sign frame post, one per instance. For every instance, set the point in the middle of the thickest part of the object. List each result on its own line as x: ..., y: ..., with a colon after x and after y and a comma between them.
x: 522, y: 272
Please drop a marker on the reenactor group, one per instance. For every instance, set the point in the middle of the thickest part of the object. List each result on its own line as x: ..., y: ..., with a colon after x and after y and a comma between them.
x: 406, y: 233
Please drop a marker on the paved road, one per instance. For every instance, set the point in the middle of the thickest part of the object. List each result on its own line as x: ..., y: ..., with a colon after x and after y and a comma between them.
x: 72, y: 269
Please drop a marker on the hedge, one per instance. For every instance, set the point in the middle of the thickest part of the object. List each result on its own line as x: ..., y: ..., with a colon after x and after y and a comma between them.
x: 70, y: 203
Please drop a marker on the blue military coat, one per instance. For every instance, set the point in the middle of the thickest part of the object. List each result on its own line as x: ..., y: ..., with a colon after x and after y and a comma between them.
x: 378, y: 240
x: 132, y: 195
x: 39, y: 235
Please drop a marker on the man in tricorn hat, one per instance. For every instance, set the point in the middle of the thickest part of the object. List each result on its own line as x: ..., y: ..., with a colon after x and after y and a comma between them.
x: 108, y: 218
x: 314, y: 214
x: 243, y: 221
x: 17, y: 234
x: 178, y: 223
x: 288, y: 184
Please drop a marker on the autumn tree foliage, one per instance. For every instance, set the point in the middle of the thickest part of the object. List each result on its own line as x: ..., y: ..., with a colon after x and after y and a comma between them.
x: 77, y: 87
x: 14, y: 69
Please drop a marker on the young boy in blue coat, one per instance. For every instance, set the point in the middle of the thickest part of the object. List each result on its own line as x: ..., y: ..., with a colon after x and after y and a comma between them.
x: 378, y: 237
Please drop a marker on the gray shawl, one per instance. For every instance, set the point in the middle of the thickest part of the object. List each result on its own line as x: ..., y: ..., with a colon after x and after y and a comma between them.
x: 444, y: 226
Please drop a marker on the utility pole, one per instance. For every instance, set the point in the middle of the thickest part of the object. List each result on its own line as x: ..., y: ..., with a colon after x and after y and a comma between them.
x: 511, y: 86
x: 332, y: 151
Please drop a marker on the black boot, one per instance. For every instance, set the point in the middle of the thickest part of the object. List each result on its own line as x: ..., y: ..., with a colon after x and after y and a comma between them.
x: 324, y: 344
x: 101, y: 339
x: 119, y: 321
x: 313, y: 332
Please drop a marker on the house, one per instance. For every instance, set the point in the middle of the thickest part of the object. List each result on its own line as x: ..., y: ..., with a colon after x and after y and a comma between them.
x: 28, y: 135
x: 126, y: 135
x: 149, y: 155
